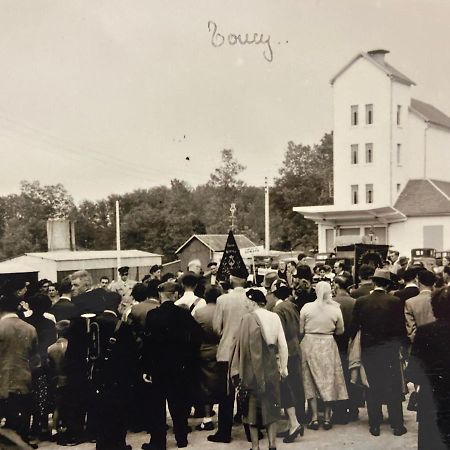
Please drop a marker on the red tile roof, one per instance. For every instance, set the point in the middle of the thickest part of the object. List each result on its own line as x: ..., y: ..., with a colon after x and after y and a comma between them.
x: 424, y: 198
x: 430, y: 113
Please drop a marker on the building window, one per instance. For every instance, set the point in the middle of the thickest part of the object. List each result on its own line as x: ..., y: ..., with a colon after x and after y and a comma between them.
x: 354, y: 188
x: 369, y: 114
x: 354, y: 153
x: 369, y: 193
x: 399, y: 154
x: 354, y: 112
x: 399, y: 114
x: 398, y: 187
x: 369, y: 153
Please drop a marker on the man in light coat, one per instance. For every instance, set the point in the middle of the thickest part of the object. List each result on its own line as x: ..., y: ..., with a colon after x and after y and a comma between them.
x: 227, y: 318
x: 418, y: 309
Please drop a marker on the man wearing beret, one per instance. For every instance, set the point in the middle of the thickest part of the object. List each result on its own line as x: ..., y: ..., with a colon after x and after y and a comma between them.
x: 170, y: 357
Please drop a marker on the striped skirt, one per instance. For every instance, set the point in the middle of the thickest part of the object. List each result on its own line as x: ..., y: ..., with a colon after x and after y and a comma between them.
x: 322, y: 369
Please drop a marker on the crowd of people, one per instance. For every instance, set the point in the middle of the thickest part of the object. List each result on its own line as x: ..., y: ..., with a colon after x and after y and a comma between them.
x: 88, y: 363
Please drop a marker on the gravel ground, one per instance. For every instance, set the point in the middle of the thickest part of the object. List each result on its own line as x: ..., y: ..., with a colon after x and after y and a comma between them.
x: 354, y: 436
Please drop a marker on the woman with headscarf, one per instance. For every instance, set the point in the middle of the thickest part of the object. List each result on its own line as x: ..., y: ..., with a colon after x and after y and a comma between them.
x: 321, y: 365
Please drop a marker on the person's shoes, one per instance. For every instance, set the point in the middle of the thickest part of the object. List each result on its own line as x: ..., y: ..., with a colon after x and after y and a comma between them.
x: 291, y: 437
x: 182, y: 444
x: 219, y: 438
x: 313, y: 425
x: 208, y: 426
x: 400, y: 431
x: 67, y: 442
x: 148, y: 446
x: 374, y: 431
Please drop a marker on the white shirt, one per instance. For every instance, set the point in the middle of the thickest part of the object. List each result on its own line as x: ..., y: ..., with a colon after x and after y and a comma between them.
x: 188, y: 299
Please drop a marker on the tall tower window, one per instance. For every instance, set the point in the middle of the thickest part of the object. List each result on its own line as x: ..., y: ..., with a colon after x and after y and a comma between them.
x: 399, y: 154
x: 354, y: 154
x: 369, y: 153
x: 369, y: 114
x: 354, y: 114
x: 399, y: 114
x: 369, y: 193
x: 354, y: 191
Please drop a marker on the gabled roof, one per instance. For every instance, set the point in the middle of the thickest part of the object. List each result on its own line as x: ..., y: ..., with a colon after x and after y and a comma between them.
x: 216, y: 242
x: 67, y: 255
x: 424, y: 198
x: 377, y: 62
x: 429, y: 113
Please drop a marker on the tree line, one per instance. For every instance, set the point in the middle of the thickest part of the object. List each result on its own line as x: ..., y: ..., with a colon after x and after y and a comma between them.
x: 160, y: 219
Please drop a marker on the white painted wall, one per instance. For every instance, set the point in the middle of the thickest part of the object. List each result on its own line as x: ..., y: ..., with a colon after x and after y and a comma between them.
x: 438, y: 154
x: 405, y: 236
x: 46, y: 268
x: 361, y: 84
x: 401, y: 95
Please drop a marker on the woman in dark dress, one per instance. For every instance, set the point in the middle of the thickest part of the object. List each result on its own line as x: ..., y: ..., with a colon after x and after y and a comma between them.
x: 46, y: 332
x: 209, y: 378
x: 429, y: 368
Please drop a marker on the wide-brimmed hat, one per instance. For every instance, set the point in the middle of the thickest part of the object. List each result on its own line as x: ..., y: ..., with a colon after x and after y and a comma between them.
x: 382, y: 274
x: 269, y: 279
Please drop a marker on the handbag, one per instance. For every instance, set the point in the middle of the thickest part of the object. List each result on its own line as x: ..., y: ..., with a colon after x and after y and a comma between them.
x: 413, y: 402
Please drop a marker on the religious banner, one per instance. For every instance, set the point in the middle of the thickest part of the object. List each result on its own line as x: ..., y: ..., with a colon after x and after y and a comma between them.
x: 231, y: 260
x: 371, y: 254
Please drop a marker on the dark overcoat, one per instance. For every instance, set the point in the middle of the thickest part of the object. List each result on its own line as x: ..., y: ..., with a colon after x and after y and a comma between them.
x: 380, y: 318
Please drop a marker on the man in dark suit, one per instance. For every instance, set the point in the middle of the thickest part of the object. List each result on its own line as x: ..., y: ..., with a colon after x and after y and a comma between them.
x: 365, y: 283
x: 64, y: 309
x: 380, y: 318
x: 88, y: 303
x: 170, y: 357
x: 86, y: 299
x: 211, y: 273
x: 114, y: 373
x: 346, y: 410
x: 410, y: 290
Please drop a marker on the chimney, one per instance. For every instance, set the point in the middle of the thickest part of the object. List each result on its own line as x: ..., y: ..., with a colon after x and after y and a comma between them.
x: 60, y: 234
x: 378, y: 55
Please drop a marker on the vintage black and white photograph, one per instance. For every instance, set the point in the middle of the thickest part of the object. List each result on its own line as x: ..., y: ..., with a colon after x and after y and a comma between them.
x: 225, y: 225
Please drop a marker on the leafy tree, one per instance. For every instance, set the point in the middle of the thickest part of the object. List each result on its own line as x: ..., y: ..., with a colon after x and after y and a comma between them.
x: 306, y: 178
x: 24, y: 216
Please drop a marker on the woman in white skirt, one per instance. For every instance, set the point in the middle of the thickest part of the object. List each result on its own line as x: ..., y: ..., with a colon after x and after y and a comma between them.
x: 321, y: 365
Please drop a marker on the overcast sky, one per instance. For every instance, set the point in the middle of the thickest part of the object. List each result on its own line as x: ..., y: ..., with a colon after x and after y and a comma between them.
x: 108, y: 96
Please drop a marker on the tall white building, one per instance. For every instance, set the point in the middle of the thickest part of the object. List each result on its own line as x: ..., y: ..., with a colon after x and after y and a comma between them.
x: 391, y: 162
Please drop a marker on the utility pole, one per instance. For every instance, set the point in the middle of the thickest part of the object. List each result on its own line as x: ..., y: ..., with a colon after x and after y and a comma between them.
x: 266, y: 216
x: 118, y: 235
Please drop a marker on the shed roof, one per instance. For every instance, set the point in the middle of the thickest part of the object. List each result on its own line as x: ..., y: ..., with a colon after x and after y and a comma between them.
x: 382, y: 65
x: 424, y: 197
x: 67, y: 255
x: 216, y: 242
x: 430, y: 113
